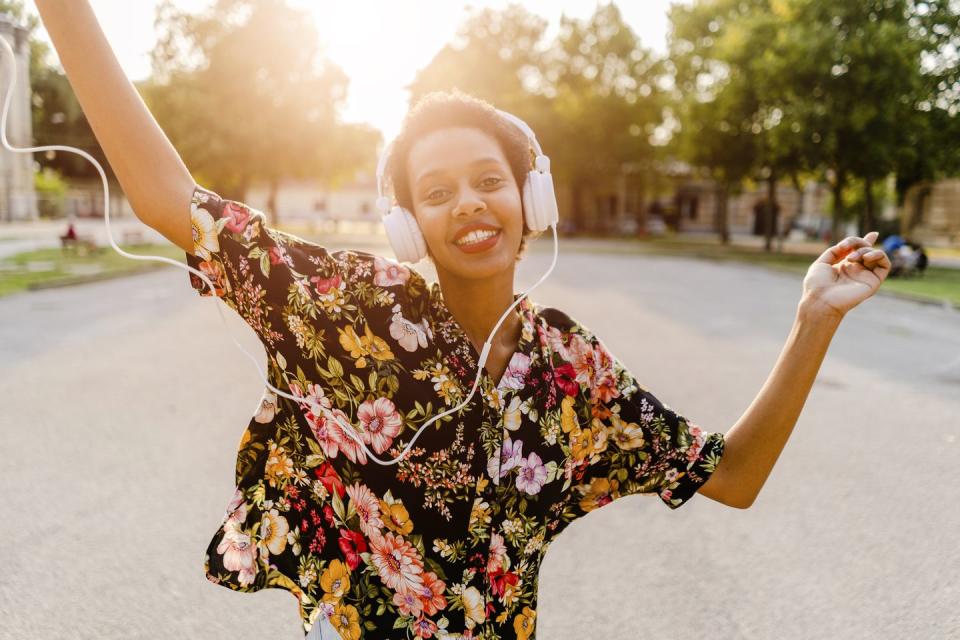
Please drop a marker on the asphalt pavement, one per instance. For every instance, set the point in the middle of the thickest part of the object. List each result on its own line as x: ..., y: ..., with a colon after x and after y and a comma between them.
x: 124, y: 402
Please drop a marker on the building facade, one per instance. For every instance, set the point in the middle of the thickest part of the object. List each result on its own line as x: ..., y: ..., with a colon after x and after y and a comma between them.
x: 17, y: 196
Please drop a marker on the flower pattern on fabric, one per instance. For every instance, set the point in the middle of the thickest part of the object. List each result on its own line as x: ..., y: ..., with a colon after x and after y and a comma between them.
x: 447, y: 543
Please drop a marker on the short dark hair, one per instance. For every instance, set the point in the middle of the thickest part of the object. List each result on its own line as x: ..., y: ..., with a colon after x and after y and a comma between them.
x: 445, y: 109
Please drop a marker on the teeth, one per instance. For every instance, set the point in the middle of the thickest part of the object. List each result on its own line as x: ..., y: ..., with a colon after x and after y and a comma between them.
x: 476, y: 236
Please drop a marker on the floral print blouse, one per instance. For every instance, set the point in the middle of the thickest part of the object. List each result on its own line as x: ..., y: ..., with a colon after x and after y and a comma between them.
x: 447, y: 543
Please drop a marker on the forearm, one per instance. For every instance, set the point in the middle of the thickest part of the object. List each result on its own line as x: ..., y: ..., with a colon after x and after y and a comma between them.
x: 149, y: 169
x: 754, y: 443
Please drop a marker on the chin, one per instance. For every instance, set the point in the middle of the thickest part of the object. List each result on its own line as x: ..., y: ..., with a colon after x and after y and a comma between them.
x: 477, y: 267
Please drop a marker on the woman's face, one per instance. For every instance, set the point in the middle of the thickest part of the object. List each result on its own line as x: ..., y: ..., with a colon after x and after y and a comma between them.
x: 466, y: 201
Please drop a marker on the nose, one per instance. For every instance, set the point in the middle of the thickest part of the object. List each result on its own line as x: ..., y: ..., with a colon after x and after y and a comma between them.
x: 469, y: 203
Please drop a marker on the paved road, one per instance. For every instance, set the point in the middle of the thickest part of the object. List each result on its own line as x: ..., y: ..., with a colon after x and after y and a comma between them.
x: 124, y: 401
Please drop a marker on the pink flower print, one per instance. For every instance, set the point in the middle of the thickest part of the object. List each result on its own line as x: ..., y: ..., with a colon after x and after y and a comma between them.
x: 380, y: 423
x: 406, y: 333
x: 532, y: 476
x: 431, y: 594
x: 408, y: 603
x: 425, y: 628
x: 237, y: 215
x: 389, y: 273
x: 498, y: 553
x: 367, y: 506
x: 279, y: 254
x: 516, y: 373
x: 510, y: 456
x: 605, y: 384
x: 324, y: 285
x: 347, y: 442
x: 693, y: 451
x: 238, y: 555
x: 397, y: 563
x: 584, y: 361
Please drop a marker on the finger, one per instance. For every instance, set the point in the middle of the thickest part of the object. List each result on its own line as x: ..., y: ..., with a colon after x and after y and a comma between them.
x: 837, y: 252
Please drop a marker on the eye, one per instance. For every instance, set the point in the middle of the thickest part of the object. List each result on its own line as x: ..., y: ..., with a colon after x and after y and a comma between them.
x: 491, y: 181
x: 435, y: 194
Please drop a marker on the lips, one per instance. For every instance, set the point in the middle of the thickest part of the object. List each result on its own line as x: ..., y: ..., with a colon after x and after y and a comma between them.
x: 470, y: 228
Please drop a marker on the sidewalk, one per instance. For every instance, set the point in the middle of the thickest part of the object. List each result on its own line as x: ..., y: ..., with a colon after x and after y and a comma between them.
x: 947, y: 258
x: 18, y: 237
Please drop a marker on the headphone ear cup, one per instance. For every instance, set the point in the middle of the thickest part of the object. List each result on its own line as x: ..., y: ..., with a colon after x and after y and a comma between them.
x: 540, y: 201
x: 405, y: 235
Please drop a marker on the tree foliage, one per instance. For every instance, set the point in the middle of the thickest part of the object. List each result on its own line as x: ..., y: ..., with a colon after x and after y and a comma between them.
x: 245, y: 95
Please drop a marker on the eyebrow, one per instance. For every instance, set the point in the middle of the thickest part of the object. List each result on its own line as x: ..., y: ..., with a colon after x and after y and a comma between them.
x: 434, y: 172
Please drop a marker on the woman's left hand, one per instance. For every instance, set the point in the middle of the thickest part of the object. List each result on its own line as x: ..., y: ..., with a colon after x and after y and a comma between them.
x: 846, y: 274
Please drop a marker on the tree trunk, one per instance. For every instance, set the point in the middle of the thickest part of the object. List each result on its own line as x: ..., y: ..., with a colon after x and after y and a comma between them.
x: 867, y: 221
x: 722, y: 211
x: 273, y: 187
x: 838, y: 207
x: 576, y: 193
x: 769, y: 212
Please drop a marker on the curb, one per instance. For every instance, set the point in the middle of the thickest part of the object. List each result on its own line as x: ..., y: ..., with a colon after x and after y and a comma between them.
x: 626, y: 249
x: 72, y: 281
x: 100, y: 277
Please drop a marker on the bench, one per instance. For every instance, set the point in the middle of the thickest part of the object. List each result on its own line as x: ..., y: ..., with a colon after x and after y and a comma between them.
x: 80, y: 245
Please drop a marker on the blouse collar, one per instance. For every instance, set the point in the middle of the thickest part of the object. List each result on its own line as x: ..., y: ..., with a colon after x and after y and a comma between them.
x: 447, y: 330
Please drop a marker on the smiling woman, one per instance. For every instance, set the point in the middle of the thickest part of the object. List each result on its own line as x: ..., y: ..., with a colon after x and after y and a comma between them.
x: 422, y: 156
x: 365, y: 355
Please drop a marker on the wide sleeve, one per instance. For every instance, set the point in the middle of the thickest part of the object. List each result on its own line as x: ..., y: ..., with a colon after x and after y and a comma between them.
x: 254, y: 268
x: 290, y: 290
x: 623, y: 440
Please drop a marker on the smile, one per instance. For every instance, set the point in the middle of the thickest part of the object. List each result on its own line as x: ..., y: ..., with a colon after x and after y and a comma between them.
x: 476, y: 237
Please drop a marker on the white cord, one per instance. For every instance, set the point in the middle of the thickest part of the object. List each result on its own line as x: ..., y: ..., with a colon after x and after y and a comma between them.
x: 348, y: 429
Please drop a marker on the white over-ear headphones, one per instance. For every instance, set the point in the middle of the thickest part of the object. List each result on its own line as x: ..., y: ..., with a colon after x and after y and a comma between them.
x: 539, y: 202
x: 540, y: 208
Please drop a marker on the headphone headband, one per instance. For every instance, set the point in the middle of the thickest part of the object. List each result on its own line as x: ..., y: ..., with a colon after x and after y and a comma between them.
x: 383, y: 204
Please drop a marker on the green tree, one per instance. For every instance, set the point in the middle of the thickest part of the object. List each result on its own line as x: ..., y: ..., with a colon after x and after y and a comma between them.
x: 592, y: 95
x: 607, y: 101
x: 244, y: 94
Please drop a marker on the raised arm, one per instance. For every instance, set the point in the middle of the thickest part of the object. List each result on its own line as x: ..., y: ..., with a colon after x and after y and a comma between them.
x: 151, y: 172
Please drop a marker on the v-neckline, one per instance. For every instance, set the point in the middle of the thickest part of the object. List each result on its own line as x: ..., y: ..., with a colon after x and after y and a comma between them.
x: 525, y: 312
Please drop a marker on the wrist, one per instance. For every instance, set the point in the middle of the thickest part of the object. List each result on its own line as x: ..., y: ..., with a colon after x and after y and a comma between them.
x: 812, y: 308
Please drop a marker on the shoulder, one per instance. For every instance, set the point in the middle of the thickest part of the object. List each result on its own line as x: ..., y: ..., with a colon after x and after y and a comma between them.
x: 559, y: 324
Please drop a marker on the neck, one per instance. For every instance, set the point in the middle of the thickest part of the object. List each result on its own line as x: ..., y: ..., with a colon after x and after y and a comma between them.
x: 478, y: 304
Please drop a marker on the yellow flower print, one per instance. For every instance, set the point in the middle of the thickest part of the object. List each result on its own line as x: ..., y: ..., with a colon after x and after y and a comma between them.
x: 626, y: 435
x: 599, y: 442
x: 568, y: 417
x: 335, y: 581
x: 351, y: 342
x: 362, y: 346
x: 273, y: 532
x: 473, y: 609
x: 376, y: 346
x: 581, y: 444
x: 204, y: 230
x: 524, y: 623
x: 396, y: 518
x: 480, y: 514
x: 443, y: 382
x: 600, y: 492
x: 279, y: 466
x: 346, y: 621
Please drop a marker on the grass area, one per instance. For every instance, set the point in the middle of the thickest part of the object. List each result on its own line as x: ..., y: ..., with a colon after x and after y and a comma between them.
x: 52, y: 266
x: 937, y: 283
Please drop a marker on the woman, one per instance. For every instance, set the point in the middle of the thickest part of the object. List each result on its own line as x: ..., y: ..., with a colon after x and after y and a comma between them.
x: 447, y: 543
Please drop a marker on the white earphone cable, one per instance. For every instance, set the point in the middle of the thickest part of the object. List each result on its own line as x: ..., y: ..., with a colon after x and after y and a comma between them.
x: 348, y: 429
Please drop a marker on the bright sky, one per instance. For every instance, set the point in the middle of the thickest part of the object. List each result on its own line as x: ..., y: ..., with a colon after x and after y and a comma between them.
x: 407, y: 33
